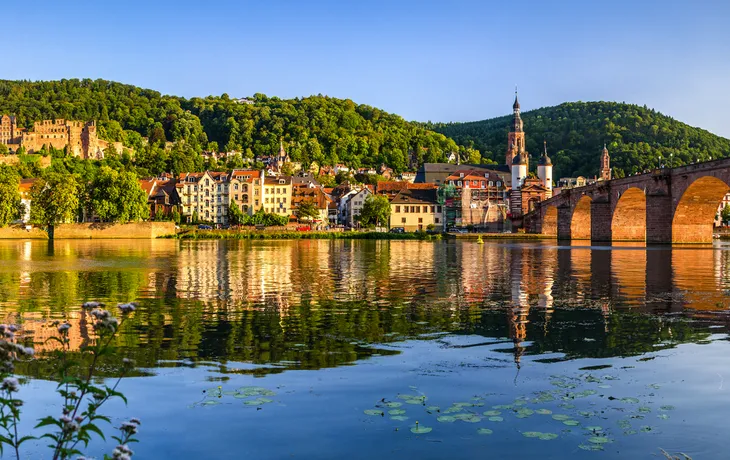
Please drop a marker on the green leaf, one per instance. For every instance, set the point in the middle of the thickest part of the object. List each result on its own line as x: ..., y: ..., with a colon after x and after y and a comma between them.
x: 95, y: 429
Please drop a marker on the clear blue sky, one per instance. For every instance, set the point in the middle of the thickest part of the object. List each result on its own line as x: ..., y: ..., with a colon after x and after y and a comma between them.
x: 425, y: 60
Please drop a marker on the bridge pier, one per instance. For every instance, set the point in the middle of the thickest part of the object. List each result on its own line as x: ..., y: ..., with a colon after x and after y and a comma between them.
x: 565, y: 218
x: 658, y: 218
x: 601, y: 221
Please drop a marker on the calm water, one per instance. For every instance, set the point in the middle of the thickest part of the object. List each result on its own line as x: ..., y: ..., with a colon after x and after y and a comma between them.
x: 546, y: 340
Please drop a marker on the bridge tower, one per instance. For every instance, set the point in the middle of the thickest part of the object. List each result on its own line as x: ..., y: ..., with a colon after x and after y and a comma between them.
x: 605, y: 164
x: 516, y: 137
x: 545, y: 171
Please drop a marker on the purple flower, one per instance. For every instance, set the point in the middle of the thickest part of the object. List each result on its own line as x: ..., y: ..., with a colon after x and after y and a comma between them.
x: 10, y: 384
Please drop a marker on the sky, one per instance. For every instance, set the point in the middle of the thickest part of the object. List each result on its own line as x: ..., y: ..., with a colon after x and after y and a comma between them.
x: 456, y: 60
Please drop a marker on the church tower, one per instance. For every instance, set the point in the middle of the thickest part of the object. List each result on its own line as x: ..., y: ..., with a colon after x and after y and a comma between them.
x: 516, y: 137
x: 605, y: 164
x: 545, y: 171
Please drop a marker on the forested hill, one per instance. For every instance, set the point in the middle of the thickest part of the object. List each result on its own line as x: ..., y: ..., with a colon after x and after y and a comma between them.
x: 576, y: 131
x: 317, y: 128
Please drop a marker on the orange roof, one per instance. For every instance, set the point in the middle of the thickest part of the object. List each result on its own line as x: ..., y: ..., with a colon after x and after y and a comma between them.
x: 147, y: 185
x: 250, y: 173
x: 26, y: 184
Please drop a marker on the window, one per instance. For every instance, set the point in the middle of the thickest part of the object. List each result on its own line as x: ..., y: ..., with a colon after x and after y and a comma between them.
x: 235, y: 186
x: 278, y: 200
x: 459, y: 183
x: 499, y: 184
x: 403, y: 220
x: 437, y: 220
x: 483, y: 184
x: 433, y: 209
x: 405, y: 208
x: 266, y: 200
x: 420, y: 220
x: 207, y: 182
x: 418, y: 209
x: 491, y: 183
x: 235, y: 197
x: 397, y: 209
x: 283, y: 209
x: 283, y: 200
x: 438, y: 209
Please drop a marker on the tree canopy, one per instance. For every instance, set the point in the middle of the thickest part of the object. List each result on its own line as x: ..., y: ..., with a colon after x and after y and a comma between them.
x: 375, y: 210
x: 54, y: 199
x: 10, y: 205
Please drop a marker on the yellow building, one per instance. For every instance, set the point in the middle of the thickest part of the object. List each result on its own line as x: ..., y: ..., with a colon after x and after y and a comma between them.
x: 277, y: 195
x: 415, y: 210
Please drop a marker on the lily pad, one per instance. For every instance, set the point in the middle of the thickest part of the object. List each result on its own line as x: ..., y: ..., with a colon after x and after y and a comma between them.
x: 484, y: 431
x: 495, y: 419
x: 502, y: 407
x: 453, y: 410
x: 663, y: 416
x: 561, y: 417
x: 420, y: 429
x: 446, y: 419
x: 399, y: 418
x: 666, y: 408
x: 210, y: 402
x: 630, y: 400
x: 571, y: 422
x: 644, y: 410
x: 543, y: 411
x: 548, y: 436
x: 433, y: 408
x: 595, y: 429
x: 492, y: 413
x: 531, y: 434
x: 599, y: 440
x: 646, y: 429
x: 567, y: 406
x: 396, y: 412
x: 373, y: 412
x: 393, y: 404
x: 592, y: 447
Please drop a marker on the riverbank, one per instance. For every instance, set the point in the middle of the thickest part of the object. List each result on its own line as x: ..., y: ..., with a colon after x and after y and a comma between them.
x: 91, y: 231
x: 294, y: 235
x: 499, y: 236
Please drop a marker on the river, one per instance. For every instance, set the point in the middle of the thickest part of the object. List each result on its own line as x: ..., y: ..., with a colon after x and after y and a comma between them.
x: 335, y: 349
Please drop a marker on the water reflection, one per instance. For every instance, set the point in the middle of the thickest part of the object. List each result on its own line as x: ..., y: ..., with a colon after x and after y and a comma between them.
x: 316, y: 303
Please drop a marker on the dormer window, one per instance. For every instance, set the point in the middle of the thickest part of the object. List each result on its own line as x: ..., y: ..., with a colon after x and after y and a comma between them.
x: 461, y: 174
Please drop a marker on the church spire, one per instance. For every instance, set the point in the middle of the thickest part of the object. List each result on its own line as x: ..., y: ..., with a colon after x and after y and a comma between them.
x: 605, y: 164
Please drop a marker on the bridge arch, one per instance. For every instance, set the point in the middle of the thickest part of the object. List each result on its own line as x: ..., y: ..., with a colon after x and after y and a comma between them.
x: 550, y: 221
x: 628, y: 222
x: 695, y: 212
x: 580, y: 222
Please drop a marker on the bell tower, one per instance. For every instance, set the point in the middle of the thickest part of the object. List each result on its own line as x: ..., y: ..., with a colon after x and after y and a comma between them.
x: 516, y: 137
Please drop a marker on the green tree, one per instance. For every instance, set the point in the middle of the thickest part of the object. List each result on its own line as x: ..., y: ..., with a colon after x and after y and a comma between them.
x: 54, y: 200
x: 175, y: 215
x: 3, y: 150
x: 307, y: 210
x: 725, y: 214
x: 196, y: 218
x: 10, y: 205
x: 375, y: 211
x: 118, y: 197
x: 235, y: 215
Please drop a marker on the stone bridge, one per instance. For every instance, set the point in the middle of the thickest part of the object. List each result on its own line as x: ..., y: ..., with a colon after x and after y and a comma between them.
x: 675, y: 205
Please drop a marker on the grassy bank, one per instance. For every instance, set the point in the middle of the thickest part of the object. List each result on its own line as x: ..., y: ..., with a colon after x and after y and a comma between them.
x: 500, y: 236
x: 289, y: 235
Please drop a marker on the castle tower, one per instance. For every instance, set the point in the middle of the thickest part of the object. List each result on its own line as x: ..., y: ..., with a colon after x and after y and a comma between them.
x: 605, y: 164
x: 519, y: 171
x: 545, y: 171
x: 516, y: 136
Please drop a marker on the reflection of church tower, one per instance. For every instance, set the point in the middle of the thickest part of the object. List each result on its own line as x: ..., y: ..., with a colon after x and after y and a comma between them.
x: 520, y: 307
x: 516, y: 137
x: 605, y: 164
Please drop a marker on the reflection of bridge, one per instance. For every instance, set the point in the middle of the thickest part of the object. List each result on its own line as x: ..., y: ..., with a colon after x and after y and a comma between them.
x: 665, y: 206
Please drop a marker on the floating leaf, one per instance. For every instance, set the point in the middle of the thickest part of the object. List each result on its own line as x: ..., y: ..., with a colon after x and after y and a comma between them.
x: 420, y: 429
x: 210, y: 402
x: 630, y: 432
x: 396, y: 412
x: 393, y: 404
x: 630, y: 400
x: 543, y: 411
x: 433, y: 408
x: 645, y: 429
x: 446, y: 419
x: 571, y: 422
x: 492, y: 413
x: 453, y: 410
x: 567, y: 406
x: 399, y: 418
x: 484, y: 431
x: 548, y: 436
x: 663, y: 416
x: 502, y: 407
x: 593, y: 447
x: 531, y: 434
x: 604, y: 386
x: 595, y: 429
x: 561, y: 417
x: 644, y: 410
x: 495, y: 419
x: 666, y: 407
x: 599, y: 440
x: 373, y: 412
x: 586, y: 413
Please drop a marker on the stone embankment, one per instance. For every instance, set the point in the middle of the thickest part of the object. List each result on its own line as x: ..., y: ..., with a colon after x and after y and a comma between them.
x: 138, y: 230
